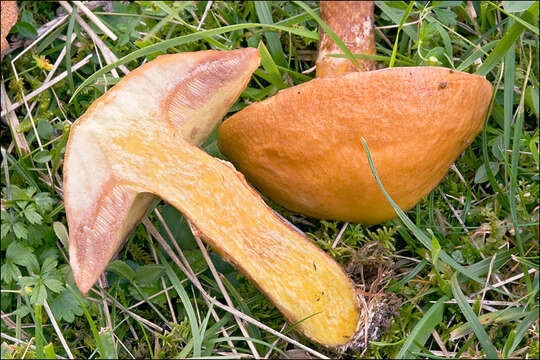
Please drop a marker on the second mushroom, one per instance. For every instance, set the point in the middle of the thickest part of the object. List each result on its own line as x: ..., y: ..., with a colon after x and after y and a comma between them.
x: 302, y: 147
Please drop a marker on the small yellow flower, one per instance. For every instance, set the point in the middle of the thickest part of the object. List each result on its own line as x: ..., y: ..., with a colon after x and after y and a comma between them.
x: 43, y: 63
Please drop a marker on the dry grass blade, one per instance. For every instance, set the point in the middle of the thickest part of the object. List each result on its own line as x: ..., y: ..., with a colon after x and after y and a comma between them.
x: 47, y: 85
x: 223, y: 291
x: 109, y: 56
x: 186, y: 268
x: 233, y: 311
x: 96, y: 20
x: 13, y: 121
x: 57, y: 329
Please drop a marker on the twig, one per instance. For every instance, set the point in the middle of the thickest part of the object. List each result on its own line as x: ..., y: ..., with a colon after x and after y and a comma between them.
x: 109, y: 56
x: 223, y: 291
x: 96, y: 20
x: 240, y: 314
x: 163, y: 284
x: 17, y: 341
x: 45, y: 86
x: 57, y: 329
x: 187, y: 268
x: 13, y: 122
x: 339, y: 235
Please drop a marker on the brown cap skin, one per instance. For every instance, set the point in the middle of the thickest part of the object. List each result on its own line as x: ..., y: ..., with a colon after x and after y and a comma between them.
x: 8, y: 19
x: 302, y: 147
x: 352, y: 21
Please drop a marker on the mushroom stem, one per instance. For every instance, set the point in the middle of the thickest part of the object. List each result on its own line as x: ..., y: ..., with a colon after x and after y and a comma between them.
x: 353, y: 22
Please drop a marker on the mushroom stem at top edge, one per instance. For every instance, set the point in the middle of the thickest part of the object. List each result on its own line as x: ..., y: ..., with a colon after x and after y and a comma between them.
x: 353, y: 22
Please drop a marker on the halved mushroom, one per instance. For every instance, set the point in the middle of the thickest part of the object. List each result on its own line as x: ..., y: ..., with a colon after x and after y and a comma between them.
x: 302, y: 147
x: 131, y: 143
x: 9, y: 13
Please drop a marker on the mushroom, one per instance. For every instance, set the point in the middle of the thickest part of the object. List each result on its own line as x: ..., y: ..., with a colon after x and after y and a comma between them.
x: 9, y: 18
x: 134, y: 143
x: 302, y: 147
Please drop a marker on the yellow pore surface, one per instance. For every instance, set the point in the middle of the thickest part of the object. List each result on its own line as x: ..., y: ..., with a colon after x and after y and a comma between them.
x: 119, y: 151
x: 190, y: 92
x: 296, y: 275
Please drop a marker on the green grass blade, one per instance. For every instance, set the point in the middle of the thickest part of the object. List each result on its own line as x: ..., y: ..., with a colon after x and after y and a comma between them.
x: 197, y: 341
x: 67, y: 59
x: 329, y: 31
x: 521, y: 329
x: 40, y: 354
x: 184, y: 40
x: 507, y: 41
x: 419, y: 267
x: 420, y: 235
x: 211, y: 40
x: 394, y: 15
x: 264, y: 12
x: 401, y: 22
x: 423, y: 328
x: 509, y: 80
x: 95, y: 332
x: 495, y: 317
x: 268, y: 64
x: 518, y: 126
x: 49, y: 351
x: 530, y: 27
x: 480, y: 332
x: 146, y: 339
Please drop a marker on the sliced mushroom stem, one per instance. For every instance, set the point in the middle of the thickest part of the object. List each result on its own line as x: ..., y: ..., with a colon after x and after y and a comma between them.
x: 132, y: 144
x: 353, y: 22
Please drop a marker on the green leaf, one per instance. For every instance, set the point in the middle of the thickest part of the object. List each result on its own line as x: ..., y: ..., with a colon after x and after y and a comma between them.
x: 9, y: 272
x: 42, y: 156
x: 61, y: 232
x: 22, y: 255
x: 45, y: 129
x: 264, y: 12
x: 31, y: 215
x: 65, y: 306
x: 23, y: 311
x: 109, y: 351
x: 121, y: 269
x: 49, y: 351
x: 44, y: 202
x: 508, y: 40
x: 517, y: 6
x: 48, y: 265
x: 270, y: 67
x: 395, y: 15
x: 53, y: 285
x: 435, y: 249
x: 422, y: 330
x: 479, y: 331
x: 26, y: 30
x: 481, y: 173
x: 39, y: 294
x: 20, y: 230
x: 148, y: 273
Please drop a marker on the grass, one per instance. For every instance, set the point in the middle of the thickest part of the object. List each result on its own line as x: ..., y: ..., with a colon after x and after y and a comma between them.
x: 464, y: 260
